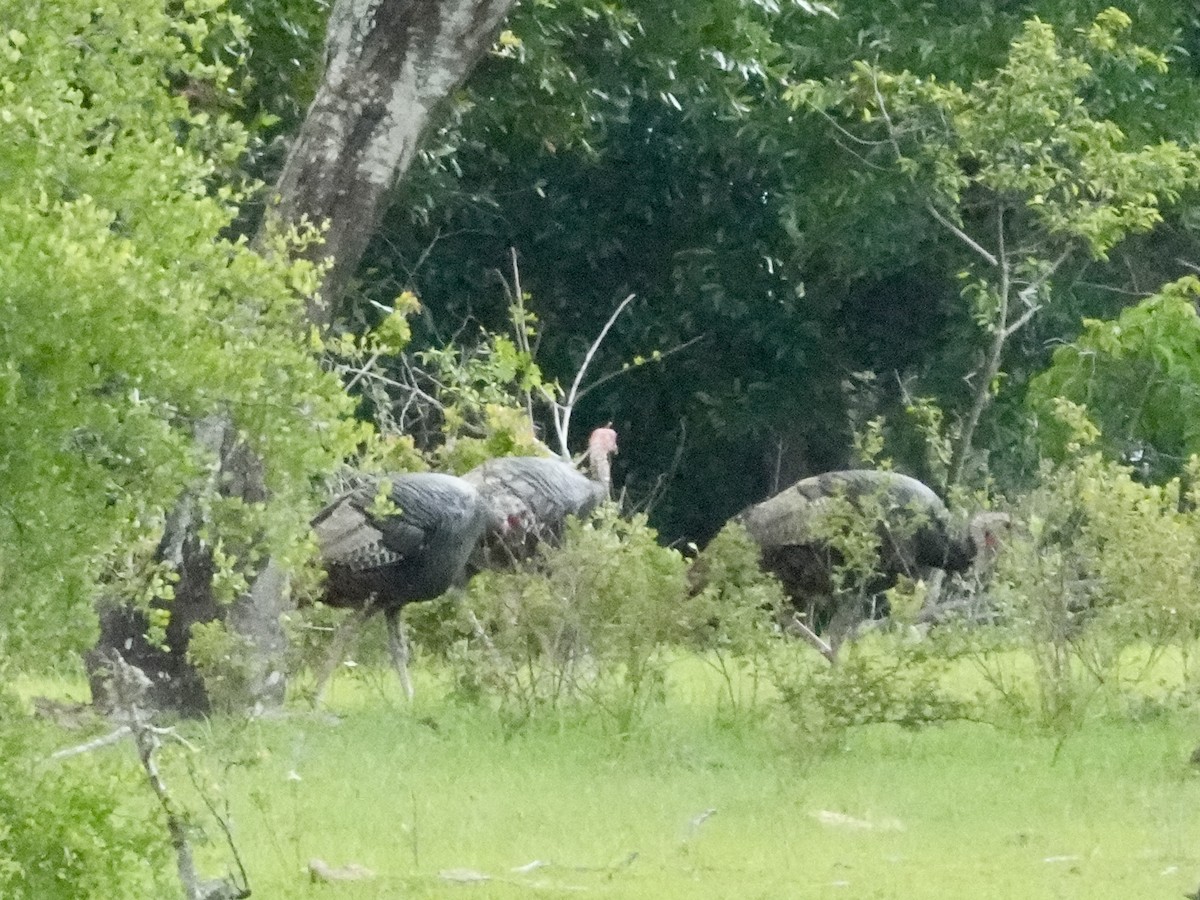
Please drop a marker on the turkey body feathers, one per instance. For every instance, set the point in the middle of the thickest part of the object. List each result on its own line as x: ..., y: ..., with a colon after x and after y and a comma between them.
x: 793, y: 531
x: 915, y: 524
x: 529, y: 498
x: 413, y: 551
x: 534, y: 493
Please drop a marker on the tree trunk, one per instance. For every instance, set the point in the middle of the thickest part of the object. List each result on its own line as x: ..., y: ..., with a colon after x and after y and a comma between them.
x: 389, y: 64
x: 176, y: 684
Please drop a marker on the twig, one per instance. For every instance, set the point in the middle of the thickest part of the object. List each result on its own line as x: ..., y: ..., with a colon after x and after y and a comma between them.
x: 1097, y: 286
x: 516, y: 295
x: 92, y: 745
x: 664, y: 478
x: 416, y: 391
x: 892, y: 131
x: 987, y: 255
x: 1027, y: 293
x: 128, y: 688
x: 604, y: 379
x: 411, y: 271
x: 562, y: 412
x: 222, y: 820
x: 798, y: 627
x: 359, y: 374
x: 520, y: 324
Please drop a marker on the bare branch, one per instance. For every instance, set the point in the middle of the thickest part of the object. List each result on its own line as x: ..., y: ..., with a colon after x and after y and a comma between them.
x: 359, y: 374
x: 842, y: 132
x: 1031, y: 310
x: 1031, y: 290
x: 129, y: 686
x: 223, y: 821
x: 412, y: 385
x: 887, y: 118
x: 411, y: 271
x: 88, y: 747
x: 517, y: 298
x: 664, y: 478
x: 987, y: 255
x: 1124, y: 292
x: 562, y: 412
x: 797, y: 626
x: 604, y: 379
x: 521, y: 326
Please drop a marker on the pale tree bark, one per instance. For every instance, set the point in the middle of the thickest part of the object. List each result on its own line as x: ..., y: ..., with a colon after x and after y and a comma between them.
x: 388, y: 65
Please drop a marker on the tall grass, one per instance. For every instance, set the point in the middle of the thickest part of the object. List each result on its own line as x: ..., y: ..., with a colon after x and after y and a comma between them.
x: 701, y: 803
x: 720, y: 792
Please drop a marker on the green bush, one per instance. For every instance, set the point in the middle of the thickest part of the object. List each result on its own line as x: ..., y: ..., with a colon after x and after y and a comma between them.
x: 77, y: 829
x: 224, y: 660
x: 1103, y: 565
x: 585, y: 623
x: 731, y: 614
x: 129, y: 317
x: 1138, y: 375
x: 882, y: 678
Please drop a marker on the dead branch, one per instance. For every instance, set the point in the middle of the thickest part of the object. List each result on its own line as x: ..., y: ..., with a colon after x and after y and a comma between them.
x: 658, y: 357
x: 562, y: 411
x: 987, y: 255
x: 796, y: 626
x: 128, y: 688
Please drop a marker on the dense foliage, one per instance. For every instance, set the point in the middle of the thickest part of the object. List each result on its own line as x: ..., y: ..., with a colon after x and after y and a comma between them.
x: 584, y: 624
x: 73, y: 829
x: 128, y: 317
x: 827, y: 216
x: 1138, y: 376
x: 1019, y: 169
x: 1099, y: 584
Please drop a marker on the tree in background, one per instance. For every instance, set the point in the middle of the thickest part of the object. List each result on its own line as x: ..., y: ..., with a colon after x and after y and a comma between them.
x: 1018, y: 169
x: 623, y: 149
x: 1138, y: 378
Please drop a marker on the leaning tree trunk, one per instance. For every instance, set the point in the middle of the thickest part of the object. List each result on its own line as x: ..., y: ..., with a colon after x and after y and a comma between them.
x: 252, y: 619
x: 389, y: 64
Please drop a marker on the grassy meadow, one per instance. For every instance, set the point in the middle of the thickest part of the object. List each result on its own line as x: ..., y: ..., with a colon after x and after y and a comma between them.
x: 441, y: 799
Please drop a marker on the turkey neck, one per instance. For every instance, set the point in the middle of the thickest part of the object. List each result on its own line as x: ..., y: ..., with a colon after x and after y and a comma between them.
x: 600, y: 467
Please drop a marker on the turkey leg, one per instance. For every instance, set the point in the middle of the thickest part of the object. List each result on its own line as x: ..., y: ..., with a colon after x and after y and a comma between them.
x: 337, y: 651
x: 398, y: 645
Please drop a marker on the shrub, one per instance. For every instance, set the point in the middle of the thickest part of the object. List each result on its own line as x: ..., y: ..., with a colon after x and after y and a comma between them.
x: 883, y: 678
x: 224, y: 660
x: 729, y: 617
x: 77, y: 829
x: 1103, y: 564
x: 586, y: 621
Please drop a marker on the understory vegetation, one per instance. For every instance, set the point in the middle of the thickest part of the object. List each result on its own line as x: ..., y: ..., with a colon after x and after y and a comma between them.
x: 613, y: 717
x: 893, y: 776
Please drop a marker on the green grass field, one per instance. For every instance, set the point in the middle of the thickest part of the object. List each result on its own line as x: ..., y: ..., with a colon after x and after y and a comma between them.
x: 435, y: 798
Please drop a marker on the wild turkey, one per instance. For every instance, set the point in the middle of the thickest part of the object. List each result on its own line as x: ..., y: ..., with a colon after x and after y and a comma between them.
x: 381, y: 553
x: 794, y: 527
x: 528, y: 498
